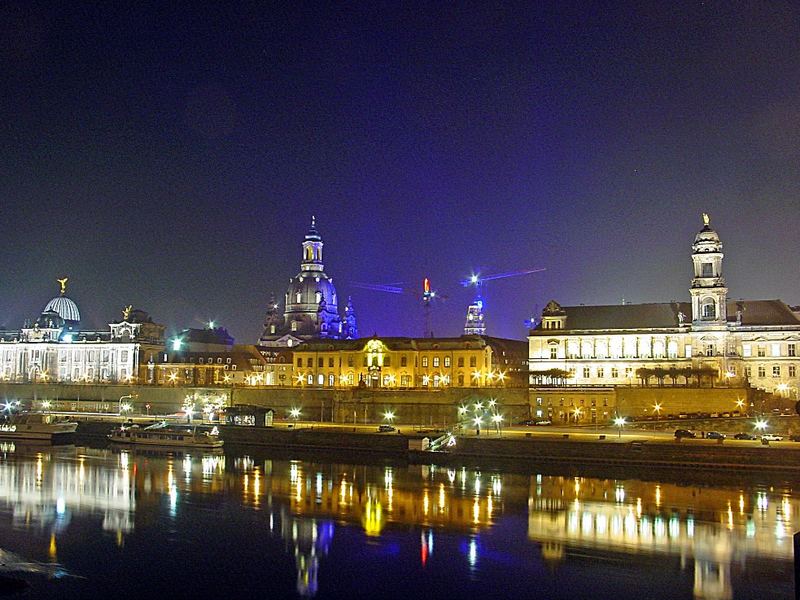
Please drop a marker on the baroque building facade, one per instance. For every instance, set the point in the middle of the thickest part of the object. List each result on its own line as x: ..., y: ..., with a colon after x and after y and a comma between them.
x: 54, y: 348
x: 311, y: 304
x: 710, y: 338
x: 426, y: 363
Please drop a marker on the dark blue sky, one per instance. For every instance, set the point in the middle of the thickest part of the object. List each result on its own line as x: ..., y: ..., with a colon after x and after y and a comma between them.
x: 171, y: 157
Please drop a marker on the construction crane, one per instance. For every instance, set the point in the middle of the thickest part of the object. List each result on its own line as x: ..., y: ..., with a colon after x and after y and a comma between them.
x: 428, y: 296
x: 475, y: 323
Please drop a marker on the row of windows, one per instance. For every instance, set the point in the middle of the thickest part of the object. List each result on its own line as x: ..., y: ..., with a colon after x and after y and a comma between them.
x: 387, y: 361
x: 775, y: 350
x: 672, y: 351
x: 777, y: 371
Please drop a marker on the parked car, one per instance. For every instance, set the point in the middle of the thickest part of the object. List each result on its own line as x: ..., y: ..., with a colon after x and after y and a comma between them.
x: 715, y: 435
x: 527, y: 422
x: 684, y: 433
x: 543, y: 422
x: 771, y: 437
x: 744, y: 436
x: 386, y: 428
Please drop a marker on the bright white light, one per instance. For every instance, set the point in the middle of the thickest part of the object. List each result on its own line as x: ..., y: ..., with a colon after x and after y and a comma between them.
x: 474, y: 279
x: 477, y: 421
x: 619, y: 421
x: 760, y: 424
x: 295, y: 413
x: 388, y: 415
x: 176, y: 344
x: 497, y: 418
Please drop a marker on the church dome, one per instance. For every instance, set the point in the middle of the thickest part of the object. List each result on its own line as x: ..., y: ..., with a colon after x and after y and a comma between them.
x: 308, y: 289
x: 706, y: 240
x: 64, y: 307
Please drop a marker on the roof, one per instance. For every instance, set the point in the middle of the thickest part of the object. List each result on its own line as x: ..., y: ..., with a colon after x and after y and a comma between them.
x: 664, y: 315
x: 419, y: 344
x: 65, y: 307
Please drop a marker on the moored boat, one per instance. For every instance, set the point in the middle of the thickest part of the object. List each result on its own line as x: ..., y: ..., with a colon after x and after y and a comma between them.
x: 167, y: 436
x: 37, y: 426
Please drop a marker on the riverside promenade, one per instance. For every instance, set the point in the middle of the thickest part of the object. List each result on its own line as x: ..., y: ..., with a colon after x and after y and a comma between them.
x: 544, y: 445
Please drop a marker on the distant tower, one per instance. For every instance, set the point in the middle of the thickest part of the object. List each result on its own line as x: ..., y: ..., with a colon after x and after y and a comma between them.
x: 273, y: 322
x: 708, y: 291
x: 350, y: 324
x: 475, y: 323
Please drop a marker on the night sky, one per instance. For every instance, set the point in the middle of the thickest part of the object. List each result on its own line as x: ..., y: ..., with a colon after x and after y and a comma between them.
x: 171, y: 157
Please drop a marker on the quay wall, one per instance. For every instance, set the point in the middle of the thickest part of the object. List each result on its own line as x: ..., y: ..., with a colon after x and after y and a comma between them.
x: 434, y: 407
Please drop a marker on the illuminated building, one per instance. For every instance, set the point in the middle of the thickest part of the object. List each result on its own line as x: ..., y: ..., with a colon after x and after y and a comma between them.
x: 711, y: 338
x: 310, y: 304
x: 54, y: 348
x: 475, y: 323
x: 467, y: 361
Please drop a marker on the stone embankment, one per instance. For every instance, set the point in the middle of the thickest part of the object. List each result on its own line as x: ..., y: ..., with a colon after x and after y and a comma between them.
x: 530, y: 451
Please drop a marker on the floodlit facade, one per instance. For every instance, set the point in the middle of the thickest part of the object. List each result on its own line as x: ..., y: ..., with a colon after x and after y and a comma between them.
x: 466, y: 361
x: 54, y: 348
x: 709, y: 339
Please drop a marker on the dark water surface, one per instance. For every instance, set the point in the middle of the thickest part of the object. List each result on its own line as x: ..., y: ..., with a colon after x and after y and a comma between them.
x: 78, y: 522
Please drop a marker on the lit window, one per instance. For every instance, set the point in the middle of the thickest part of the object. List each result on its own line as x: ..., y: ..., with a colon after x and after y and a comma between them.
x: 747, y: 350
x: 446, y: 361
x: 435, y: 361
x: 776, y: 349
x: 791, y: 349
x: 776, y: 371
x: 424, y: 361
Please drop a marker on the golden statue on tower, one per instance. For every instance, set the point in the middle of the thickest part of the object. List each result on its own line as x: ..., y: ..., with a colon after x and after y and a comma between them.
x: 126, y: 312
x: 63, y: 283
x: 706, y: 219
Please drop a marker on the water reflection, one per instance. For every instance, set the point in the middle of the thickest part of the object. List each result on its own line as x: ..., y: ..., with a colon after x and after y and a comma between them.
x: 698, y: 524
x: 447, y: 515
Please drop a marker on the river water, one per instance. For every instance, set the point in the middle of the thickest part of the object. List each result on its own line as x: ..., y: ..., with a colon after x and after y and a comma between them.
x: 78, y: 522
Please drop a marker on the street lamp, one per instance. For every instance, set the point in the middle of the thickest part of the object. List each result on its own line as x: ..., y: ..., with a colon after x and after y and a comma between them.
x: 46, y: 405
x: 576, y: 412
x: 497, y: 420
x: 620, y: 423
x: 119, y: 403
x: 295, y: 414
x: 657, y: 410
x: 477, y: 421
x: 740, y: 404
x: 388, y: 416
x: 760, y: 425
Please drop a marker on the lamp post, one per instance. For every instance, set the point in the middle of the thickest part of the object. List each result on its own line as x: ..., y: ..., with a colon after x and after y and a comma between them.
x: 657, y: 410
x: 497, y: 419
x: 294, y: 413
x: 119, y: 403
x: 620, y: 423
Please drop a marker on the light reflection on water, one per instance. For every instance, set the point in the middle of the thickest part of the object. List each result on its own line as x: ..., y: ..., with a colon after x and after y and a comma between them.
x: 443, y: 514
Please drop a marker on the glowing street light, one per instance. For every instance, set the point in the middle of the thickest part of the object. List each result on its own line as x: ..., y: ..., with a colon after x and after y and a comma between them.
x: 46, y: 404
x: 478, y: 406
x: 388, y: 416
x: 760, y: 424
x: 477, y: 421
x: 492, y: 402
x: 577, y: 412
x: 620, y: 423
x: 497, y: 419
x: 462, y: 410
x: 120, y: 404
x: 295, y: 414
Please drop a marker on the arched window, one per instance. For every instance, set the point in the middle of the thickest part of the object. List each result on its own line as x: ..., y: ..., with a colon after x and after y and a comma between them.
x: 708, y: 310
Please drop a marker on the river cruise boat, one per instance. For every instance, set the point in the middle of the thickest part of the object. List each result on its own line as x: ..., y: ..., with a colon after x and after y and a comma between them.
x: 164, y: 435
x: 38, y: 427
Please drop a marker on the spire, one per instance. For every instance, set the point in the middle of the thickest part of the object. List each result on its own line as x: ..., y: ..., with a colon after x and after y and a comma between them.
x: 312, y: 249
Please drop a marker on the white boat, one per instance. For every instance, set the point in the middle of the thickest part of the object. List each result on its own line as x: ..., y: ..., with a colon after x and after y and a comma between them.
x: 37, y: 426
x: 167, y: 435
